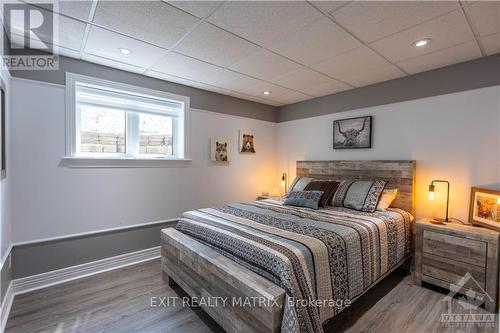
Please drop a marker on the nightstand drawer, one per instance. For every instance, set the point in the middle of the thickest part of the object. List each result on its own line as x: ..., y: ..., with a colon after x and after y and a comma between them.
x: 452, y: 271
x: 445, y: 253
x: 456, y: 248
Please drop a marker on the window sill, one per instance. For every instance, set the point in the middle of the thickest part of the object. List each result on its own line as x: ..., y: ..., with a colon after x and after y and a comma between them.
x: 117, y: 162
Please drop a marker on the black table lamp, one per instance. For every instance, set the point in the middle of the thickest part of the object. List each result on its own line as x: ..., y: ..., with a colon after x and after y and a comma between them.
x: 284, y: 181
x: 431, y: 197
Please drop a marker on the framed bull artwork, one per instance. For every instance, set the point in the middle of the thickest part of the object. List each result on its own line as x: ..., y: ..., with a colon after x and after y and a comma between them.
x: 352, y: 133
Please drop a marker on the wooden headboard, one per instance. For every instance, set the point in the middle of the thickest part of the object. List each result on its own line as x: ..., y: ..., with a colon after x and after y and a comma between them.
x: 397, y: 174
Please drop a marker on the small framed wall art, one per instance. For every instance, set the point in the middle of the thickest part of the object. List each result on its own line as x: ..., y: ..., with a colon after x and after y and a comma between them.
x: 247, y: 142
x: 220, y: 150
x: 352, y: 133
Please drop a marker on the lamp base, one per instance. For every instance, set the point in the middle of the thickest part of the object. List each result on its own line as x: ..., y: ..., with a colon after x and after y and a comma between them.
x: 439, y: 221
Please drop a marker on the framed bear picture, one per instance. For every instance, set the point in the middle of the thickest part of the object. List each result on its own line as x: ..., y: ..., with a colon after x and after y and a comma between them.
x: 220, y: 150
x: 247, y: 142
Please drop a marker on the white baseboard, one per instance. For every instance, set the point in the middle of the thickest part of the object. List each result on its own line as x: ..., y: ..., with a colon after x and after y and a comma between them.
x: 43, y: 280
x: 5, y: 307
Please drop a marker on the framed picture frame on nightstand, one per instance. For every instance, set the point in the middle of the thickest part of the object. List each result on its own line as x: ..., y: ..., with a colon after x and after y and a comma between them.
x: 485, y: 208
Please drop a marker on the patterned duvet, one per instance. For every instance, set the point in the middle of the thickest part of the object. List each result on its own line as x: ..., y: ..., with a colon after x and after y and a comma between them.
x: 329, y: 255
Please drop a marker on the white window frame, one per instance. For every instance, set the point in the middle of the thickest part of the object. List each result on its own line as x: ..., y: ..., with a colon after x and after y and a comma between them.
x: 73, y: 159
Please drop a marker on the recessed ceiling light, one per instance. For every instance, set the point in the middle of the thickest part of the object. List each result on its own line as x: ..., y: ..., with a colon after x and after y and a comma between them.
x: 124, y: 51
x: 422, y: 42
x: 267, y: 93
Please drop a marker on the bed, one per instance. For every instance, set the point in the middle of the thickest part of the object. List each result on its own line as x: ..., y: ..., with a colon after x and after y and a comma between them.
x: 265, y: 267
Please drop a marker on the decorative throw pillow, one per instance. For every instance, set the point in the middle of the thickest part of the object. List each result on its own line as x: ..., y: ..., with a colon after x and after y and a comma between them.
x: 308, y: 199
x: 362, y: 195
x: 328, y: 187
x: 299, y: 183
x: 387, y: 197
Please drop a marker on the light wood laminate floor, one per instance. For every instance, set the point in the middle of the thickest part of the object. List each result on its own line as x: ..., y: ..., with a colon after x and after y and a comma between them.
x: 119, y: 301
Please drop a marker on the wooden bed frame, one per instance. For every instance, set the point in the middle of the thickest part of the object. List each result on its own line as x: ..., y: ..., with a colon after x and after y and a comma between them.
x: 202, y: 272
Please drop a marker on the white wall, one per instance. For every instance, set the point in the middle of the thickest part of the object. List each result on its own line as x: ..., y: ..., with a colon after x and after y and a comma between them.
x: 50, y: 200
x: 453, y: 137
x: 5, y: 211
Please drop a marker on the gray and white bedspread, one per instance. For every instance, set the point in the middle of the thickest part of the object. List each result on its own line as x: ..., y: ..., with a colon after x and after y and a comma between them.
x: 330, y: 255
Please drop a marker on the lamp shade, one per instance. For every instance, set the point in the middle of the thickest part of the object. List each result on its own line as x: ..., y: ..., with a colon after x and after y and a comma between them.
x: 431, y: 197
x: 284, y: 181
x: 431, y: 192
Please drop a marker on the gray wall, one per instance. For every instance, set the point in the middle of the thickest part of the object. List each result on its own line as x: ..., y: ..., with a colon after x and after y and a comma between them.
x: 48, y: 256
x: 479, y: 73
x: 5, y: 186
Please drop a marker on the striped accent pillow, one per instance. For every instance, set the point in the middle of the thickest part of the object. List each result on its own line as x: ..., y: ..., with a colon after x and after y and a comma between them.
x: 361, y: 195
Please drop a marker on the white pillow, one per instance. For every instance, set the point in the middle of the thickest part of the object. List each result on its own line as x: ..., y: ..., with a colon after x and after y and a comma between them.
x: 386, y: 199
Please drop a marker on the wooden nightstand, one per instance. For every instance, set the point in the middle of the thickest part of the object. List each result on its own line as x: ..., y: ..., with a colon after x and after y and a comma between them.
x: 445, y: 253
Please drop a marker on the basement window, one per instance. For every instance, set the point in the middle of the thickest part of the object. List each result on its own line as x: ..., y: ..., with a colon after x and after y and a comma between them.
x: 109, y: 121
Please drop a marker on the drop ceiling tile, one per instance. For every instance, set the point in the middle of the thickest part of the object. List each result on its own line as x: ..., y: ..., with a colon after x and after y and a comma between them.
x: 154, y: 22
x: 69, y: 33
x: 278, y: 94
x: 455, y: 54
x: 372, y: 20
x: 197, y: 8
x: 485, y: 16
x: 203, y: 86
x: 266, y: 22
x: 375, y: 75
x: 214, y: 45
x: 327, y: 88
x: 211, y: 88
x: 290, y: 97
x: 305, y: 78
x: 79, y: 9
x: 318, y: 41
x: 105, y: 43
x: 359, y: 67
x: 112, y: 63
x: 227, y: 79
x: 257, y: 90
x: 264, y: 65
x: 76, y: 9
x: 255, y: 99
x: 491, y: 44
x: 67, y: 52
x: 170, y: 78
x: 185, y: 67
x: 445, y: 31
x: 190, y: 83
x: 328, y: 6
